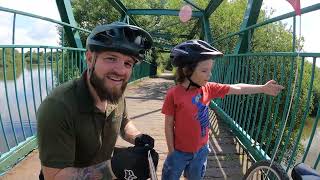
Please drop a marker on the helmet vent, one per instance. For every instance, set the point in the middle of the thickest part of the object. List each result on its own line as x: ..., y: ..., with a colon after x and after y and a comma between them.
x: 111, y: 33
x: 120, y: 37
x: 202, y: 43
x: 103, y: 37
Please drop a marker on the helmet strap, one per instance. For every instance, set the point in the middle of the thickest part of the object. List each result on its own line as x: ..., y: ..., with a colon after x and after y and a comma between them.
x: 191, y: 83
x: 94, y: 60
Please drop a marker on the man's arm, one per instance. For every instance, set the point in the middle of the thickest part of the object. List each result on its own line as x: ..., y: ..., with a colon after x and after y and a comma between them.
x: 270, y: 88
x: 168, y: 128
x: 130, y: 132
x: 98, y: 171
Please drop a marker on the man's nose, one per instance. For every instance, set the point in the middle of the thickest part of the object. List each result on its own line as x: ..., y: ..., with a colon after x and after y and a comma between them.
x: 120, y: 68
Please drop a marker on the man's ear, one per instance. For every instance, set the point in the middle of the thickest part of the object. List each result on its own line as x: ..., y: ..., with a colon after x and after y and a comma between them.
x: 89, y: 58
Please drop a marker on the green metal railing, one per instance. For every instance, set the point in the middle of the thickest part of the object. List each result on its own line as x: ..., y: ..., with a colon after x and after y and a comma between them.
x: 258, y: 120
x: 285, y: 127
x: 28, y: 73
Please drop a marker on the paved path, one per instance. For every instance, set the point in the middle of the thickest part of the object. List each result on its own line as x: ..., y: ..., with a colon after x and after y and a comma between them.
x: 144, y: 99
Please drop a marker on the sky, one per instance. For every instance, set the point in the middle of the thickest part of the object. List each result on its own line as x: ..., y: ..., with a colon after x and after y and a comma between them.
x: 38, y: 32
x: 309, y: 22
x: 29, y: 30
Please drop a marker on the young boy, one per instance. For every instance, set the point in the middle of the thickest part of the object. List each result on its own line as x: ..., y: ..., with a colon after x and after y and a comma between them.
x: 186, y: 108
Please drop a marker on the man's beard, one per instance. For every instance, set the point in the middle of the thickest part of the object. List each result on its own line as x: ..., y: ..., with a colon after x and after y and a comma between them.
x: 112, y: 95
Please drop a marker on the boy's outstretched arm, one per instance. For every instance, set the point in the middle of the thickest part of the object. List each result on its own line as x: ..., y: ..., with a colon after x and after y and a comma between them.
x: 270, y: 88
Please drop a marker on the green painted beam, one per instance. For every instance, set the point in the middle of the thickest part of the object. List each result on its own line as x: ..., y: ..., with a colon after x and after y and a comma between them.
x: 163, y: 27
x: 250, y: 18
x: 195, y: 29
x: 163, y: 46
x: 9, y: 159
x: 206, y: 29
x: 120, y: 7
x: 66, y: 15
x: 160, y: 12
x: 168, y: 36
x: 123, y: 18
x: 212, y: 6
x: 251, y: 146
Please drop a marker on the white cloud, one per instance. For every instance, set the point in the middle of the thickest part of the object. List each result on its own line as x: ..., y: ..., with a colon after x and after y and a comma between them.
x: 29, y: 30
x: 309, y: 21
x: 44, y: 33
x: 5, y: 28
x: 46, y: 8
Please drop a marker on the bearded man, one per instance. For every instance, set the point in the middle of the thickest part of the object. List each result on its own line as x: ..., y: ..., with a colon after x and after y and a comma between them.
x: 79, y: 121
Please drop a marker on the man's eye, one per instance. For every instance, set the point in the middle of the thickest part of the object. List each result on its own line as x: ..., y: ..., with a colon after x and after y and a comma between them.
x: 110, y: 59
x: 128, y: 65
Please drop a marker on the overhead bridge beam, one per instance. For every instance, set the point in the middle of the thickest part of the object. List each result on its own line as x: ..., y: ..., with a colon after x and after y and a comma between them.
x: 163, y: 46
x: 120, y: 7
x: 212, y: 6
x: 168, y: 36
x: 158, y: 12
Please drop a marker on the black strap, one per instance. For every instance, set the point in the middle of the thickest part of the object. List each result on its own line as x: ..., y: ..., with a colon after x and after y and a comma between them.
x: 192, y: 84
x: 41, y: 177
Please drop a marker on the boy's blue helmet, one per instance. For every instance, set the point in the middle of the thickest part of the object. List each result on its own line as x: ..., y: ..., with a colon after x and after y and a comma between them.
x: 192, y: 51
x: 120, y: 37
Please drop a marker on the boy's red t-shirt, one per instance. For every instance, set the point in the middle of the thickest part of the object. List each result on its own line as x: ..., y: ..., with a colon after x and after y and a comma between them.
x: 191, y: 115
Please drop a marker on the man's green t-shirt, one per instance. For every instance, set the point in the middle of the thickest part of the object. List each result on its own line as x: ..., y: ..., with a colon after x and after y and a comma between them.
x: 72, y: 132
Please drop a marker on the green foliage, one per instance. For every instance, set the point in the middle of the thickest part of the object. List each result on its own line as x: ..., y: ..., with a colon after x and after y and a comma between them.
x: 12, y: 63
x: 71, y: 71
x: 88, y: 14
x: 72, y: 66
x: 269, y: 38
x: 225, y: 20
x: 10, y: 56
x: 315, y: 91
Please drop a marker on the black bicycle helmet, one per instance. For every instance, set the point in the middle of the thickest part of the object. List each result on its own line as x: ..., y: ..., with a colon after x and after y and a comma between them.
x: 192, y: 51
x: 120, y: 37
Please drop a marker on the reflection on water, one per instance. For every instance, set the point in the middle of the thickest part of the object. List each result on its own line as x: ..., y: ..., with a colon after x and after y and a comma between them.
x: 17, y: 127
x: 315, y: 144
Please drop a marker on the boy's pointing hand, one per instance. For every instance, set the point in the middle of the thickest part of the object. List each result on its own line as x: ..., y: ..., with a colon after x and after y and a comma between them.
x: 272, y: 88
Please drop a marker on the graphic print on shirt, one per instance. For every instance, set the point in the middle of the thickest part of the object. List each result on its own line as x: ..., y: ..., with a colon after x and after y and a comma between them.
x: 202, y: 115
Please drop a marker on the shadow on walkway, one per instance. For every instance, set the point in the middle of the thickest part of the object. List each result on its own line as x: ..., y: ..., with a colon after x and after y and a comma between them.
x: 227, y: 159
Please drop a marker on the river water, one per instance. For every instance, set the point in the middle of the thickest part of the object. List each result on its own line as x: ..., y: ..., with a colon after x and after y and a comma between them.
x: 21, y: 96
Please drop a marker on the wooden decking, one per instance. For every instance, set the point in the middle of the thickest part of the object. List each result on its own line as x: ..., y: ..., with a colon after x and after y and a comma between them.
x: 144, y: 101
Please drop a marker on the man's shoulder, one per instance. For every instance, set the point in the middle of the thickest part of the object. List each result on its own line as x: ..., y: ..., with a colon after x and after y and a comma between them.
x: 64, y: 90
x: 64, y: 93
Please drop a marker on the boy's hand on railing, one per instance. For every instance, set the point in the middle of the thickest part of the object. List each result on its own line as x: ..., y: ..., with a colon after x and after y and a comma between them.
x: 272, y: 88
